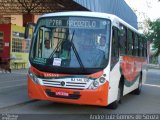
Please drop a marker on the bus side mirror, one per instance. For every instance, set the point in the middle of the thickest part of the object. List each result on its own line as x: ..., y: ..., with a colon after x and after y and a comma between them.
x: 27, y: 28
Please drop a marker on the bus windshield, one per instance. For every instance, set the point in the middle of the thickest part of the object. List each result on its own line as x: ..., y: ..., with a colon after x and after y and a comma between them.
x: 71, y: 42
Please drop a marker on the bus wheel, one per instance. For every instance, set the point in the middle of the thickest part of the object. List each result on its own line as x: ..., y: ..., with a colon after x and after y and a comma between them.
x: 115, y: 104
x: 138, y: 90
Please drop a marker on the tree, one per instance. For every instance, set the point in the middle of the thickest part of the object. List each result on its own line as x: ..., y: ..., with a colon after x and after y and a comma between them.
x: 154, y: 35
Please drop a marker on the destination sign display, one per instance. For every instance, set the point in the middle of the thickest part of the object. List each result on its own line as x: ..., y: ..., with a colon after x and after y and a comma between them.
x: 77, y: 22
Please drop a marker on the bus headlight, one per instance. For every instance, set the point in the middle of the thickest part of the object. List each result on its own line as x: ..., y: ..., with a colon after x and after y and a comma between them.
x: 95, y: 83
x: 33, y: 77
x: 102, y: 79
x: 98, y: 82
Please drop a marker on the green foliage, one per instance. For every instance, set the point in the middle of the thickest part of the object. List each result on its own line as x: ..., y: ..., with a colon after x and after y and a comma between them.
x: 154, y: 35
x: 153, y: 60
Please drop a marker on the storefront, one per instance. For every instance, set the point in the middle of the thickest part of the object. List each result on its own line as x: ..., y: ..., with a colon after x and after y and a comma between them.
x: 13, y: 46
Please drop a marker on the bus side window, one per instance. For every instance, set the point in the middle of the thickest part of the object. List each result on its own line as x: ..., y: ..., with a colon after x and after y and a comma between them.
x: 145, y: 48
x: 140, y: 46
x: 130, y: 42
x: 136, y: 45
x: 123, y: 41
x: 115, y: 47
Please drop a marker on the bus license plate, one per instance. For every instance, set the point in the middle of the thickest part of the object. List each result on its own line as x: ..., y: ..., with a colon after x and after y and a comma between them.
x: 62, y: 94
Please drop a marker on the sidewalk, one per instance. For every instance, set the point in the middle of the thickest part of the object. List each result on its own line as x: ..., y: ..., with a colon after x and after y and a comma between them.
x: 153, y: 66
x: 17, y: 71
x: 20, y: 71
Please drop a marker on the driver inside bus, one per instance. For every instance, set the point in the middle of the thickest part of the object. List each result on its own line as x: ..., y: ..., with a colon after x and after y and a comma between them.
x: 47, y: 49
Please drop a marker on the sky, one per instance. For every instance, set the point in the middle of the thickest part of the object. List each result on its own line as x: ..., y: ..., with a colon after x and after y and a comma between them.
x: 151, y: 8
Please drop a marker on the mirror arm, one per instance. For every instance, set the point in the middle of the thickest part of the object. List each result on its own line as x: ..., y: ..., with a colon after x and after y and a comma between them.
x: 28, y: 26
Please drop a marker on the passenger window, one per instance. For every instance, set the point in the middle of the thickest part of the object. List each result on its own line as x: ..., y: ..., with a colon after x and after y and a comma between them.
x: 145, y: 49
x: 130, y: 42
x: 140, y: 47
x: 123, y: 41
x: 115, y: 47
x: 136, y: 45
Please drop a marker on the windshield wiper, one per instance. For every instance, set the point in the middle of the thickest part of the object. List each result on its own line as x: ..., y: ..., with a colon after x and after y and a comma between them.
x: 76, y: 53
x: 54, y: 51
x: 74, y: 49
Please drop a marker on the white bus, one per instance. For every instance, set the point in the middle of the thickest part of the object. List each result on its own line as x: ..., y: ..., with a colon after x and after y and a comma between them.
x: 91, y: 58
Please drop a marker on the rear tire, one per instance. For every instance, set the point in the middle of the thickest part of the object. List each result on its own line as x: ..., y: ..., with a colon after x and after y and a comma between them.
x: 139, y: 89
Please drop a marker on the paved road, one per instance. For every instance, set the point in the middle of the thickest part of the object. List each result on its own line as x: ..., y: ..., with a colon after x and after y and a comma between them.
x: 147, y: 102
x: 13, y: 88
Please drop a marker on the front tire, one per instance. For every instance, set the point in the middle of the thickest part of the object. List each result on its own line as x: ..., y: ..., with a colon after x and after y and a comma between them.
x: 115, y: 104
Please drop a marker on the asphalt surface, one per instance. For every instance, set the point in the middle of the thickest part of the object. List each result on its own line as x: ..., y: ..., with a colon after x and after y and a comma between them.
x: 13, y: 88
x: 14, y: 100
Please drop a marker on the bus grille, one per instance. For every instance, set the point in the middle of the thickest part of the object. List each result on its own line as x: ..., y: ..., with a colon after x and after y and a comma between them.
x: 65, y: 84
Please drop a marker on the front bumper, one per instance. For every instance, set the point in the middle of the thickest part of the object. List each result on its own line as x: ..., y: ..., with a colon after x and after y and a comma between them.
x: 97, y: 96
